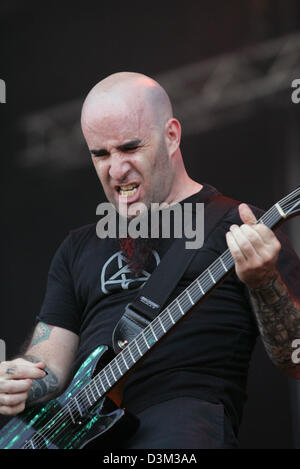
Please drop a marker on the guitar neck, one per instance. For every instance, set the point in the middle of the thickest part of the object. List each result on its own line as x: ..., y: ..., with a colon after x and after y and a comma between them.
x: 79, y: 405
x: 109, y: 376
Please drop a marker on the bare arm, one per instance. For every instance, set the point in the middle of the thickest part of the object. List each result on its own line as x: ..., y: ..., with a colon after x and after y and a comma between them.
x: 278, y: 318
x: 255, y: 250
x: 41, y: 373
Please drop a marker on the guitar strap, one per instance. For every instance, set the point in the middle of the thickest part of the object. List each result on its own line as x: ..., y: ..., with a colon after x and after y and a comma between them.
x: 156, y: 291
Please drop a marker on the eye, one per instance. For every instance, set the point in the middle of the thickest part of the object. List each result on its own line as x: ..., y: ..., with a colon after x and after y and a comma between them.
x: 129, y: 148
x: 99, y: 153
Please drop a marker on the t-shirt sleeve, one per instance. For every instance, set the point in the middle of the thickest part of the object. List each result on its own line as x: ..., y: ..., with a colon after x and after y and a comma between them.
x: 60, y: 307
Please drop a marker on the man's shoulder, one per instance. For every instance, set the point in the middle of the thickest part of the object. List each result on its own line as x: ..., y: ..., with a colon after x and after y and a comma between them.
x: 83, y: 231
x: 77, y: 237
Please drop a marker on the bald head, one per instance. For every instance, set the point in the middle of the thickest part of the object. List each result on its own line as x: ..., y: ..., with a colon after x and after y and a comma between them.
x: 134, y: 141
x: 124, y: 94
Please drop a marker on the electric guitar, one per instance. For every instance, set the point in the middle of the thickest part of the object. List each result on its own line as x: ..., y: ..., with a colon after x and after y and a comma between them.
x: 84, y: 416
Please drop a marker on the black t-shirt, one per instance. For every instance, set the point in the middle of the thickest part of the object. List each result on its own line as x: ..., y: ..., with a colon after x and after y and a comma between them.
x: 206, y: 356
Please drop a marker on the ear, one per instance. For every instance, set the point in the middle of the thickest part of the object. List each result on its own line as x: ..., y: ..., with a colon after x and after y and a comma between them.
x: 172, y: 135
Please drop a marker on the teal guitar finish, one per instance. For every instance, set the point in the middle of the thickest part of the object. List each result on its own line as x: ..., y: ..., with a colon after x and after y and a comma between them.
x: 57, y: 425
x: 83, y: 417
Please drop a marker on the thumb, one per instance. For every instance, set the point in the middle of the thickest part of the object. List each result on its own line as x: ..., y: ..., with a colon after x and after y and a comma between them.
x: 247, y: 215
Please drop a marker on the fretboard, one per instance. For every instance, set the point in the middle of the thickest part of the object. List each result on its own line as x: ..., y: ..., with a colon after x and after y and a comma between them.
x: 158, y: 328
x: 109, y: 376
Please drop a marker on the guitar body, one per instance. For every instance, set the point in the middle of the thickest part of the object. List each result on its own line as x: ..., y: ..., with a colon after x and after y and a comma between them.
x: 102, y: 427
x: 84, y: 416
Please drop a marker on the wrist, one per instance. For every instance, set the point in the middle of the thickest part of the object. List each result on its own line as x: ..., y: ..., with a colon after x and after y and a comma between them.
x: 270, y: 291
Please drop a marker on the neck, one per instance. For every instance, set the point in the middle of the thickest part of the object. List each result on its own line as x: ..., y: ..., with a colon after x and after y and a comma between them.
x: 184, y: 187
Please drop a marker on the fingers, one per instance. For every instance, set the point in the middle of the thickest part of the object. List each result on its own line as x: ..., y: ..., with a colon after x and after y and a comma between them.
x: 12, y: 410
x: 15, y: 381
x: 247, y: 243
x: 11, y: 400
x: 21, y: 369
x: 12, y: 404
x: 246, y: 214
x: 254, y: 248
x: 13, y: 395
x: 14, y: 386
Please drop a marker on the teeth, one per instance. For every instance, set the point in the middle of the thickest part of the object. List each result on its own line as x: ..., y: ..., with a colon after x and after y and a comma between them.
x: 128, y: 193
x: 128, y: 188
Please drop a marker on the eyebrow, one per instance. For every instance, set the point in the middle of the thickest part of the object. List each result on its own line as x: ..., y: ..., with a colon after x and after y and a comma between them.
x: 125, y: 146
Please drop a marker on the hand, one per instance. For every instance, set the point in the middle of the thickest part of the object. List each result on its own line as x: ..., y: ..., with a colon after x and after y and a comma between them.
x: 15, y: 381
x: 255, y: 250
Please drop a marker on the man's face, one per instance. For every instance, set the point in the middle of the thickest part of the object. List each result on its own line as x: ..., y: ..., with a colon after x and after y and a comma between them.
x: 131, y: 159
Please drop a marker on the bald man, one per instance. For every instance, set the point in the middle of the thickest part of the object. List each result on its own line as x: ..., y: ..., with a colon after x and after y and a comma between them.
x: 189, y: 392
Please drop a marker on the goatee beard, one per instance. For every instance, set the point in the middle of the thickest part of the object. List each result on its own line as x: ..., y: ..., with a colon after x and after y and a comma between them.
x: 139, y: 252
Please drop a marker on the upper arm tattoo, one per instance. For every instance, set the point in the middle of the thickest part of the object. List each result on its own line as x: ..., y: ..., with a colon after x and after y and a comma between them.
x: 42, y: 332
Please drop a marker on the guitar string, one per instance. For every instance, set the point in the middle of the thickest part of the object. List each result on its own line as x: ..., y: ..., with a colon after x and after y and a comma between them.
x: 156, y: 322
x: 153, y: 325
x: 225, y: 259
x: 136, y: 356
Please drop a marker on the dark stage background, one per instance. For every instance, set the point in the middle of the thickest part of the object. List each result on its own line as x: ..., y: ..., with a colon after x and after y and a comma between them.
x: 241, y: 134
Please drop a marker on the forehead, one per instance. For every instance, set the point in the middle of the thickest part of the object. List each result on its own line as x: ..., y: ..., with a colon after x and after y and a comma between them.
x: 115, y: 123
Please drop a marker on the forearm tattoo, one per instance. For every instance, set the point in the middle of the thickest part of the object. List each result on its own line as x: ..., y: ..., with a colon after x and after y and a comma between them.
x: 43, y: 388
x: 278, y: 317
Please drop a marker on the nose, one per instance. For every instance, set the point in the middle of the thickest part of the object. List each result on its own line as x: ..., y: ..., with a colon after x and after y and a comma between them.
x: 119, y: 167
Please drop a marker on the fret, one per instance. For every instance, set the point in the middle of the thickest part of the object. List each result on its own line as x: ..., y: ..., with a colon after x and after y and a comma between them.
x: 104, y: 389
x: 190, y: 298
x: 224, y: 266
x: 31, y: 442
x: 134, y: 361
x: 148, y: 346
x: 112, y: 372
x: 171, y: 317
x: 179, y: 307
x: 137, y: 346
x: 199, y: 284
x: 211, y: 276
x: 70, y: 412
x: 152, y: 330
x: 105, y: 375
x: 98, y: 391
x: 87, y: 395
x: 161, y: 323
x: 78, y: 407
x: 122, y: 355
x: 281, y: 212
x: 90, y: 386
x: 120, y: 371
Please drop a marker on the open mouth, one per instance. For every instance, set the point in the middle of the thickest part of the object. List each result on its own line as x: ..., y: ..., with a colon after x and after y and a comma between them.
x: 128, y: 190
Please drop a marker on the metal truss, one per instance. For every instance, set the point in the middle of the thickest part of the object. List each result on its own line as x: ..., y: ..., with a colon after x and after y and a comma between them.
x: 205, y: 95
x: 230, y: 87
